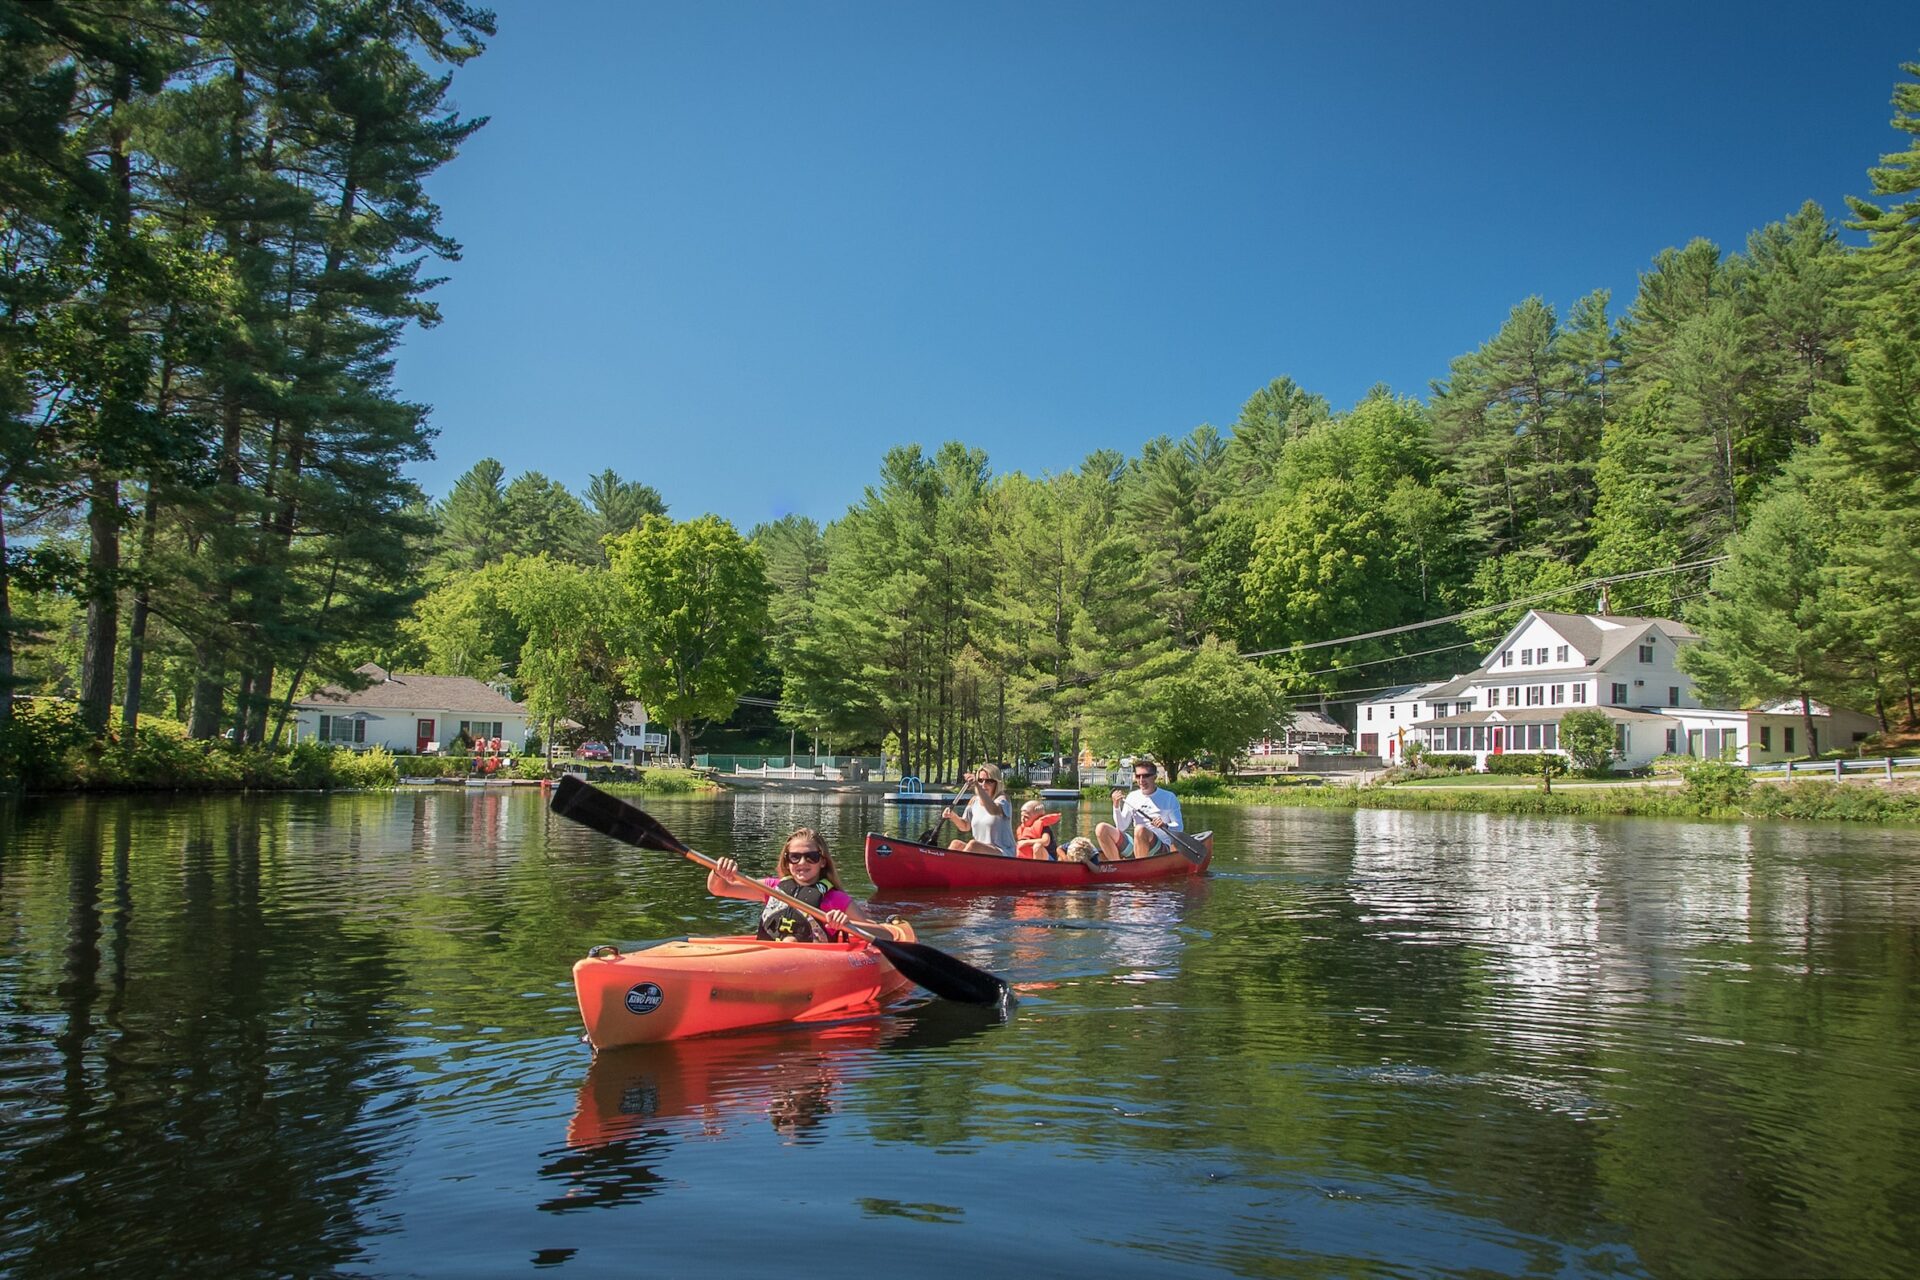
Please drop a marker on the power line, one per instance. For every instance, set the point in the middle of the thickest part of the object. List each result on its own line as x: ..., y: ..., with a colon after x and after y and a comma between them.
x: 1491, y: 608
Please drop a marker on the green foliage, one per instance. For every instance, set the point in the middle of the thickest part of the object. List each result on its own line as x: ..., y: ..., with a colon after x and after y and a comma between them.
x: 1588, y: 739
x: 1209, y: 702
x: 689, y: 611
x: 1438, y: 760
x: 48, y: 748
x: 1529, y: 764
x: 1717, y: 784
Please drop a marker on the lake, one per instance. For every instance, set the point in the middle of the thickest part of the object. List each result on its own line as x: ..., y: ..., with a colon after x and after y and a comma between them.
x: 316, y: 1035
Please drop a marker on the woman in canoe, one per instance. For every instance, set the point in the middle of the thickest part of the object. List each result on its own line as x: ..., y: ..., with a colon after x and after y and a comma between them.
x: 988, y: 815
x: 805, y: 871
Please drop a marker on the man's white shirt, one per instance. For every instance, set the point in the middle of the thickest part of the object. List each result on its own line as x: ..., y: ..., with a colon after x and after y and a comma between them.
x: 1140, y: 809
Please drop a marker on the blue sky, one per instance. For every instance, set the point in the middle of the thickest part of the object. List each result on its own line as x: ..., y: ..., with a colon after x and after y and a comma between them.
x: 738, y: 250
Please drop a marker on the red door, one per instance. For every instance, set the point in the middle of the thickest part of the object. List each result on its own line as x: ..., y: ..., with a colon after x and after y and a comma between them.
x: 1369, y: 744
x: 1497, y: 733
x: 422, y: 735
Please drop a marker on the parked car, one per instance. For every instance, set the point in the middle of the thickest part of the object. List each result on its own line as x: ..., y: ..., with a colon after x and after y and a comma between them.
x: 594, y: 751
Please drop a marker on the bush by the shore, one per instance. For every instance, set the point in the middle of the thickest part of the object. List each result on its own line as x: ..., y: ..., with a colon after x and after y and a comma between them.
x: 47, y: 749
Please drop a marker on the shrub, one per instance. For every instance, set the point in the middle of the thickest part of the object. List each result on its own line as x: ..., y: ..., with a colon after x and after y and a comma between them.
x: 1438, y: 760
x: 36, y: 745
x: 1587, y: 737
x: 1716, y: 783
x: 372, y: 769
x: 1526, y: 763
x: 1200, y: 784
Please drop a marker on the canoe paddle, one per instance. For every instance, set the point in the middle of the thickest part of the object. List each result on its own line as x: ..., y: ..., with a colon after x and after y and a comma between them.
x: 946, y: 976
x: 932, y: 833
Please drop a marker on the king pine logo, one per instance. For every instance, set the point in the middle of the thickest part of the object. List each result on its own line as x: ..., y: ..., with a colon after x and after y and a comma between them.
x: 643, y: 997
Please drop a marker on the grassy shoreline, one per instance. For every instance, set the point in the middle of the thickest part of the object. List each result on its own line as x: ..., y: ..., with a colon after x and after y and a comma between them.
x: 1809, y: 801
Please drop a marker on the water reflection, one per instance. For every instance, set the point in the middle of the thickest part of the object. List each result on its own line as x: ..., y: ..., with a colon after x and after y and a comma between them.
x: 316, y: 1034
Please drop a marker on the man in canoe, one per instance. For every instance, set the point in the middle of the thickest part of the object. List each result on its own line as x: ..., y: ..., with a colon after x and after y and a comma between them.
x: 1141, y: 820
x: 805, y: 871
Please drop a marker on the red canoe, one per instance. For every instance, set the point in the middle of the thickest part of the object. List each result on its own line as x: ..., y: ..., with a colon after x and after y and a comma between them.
x: 894, y: 862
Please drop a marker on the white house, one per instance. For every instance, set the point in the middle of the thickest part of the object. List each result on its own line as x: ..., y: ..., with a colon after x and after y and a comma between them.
x: 407, y: 713
x: 633, y: 741
x: 1624, y: 667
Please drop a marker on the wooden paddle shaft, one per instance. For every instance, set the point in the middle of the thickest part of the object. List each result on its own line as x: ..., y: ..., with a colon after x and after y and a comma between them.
x: 804, y: 908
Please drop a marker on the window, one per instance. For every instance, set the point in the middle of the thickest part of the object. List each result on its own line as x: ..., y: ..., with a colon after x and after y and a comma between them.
x: 1580, y: 693
x: 1479, y: 737
x: 1369, y: 713
x: 1453, y: 737
x: 1786, y: 738
x: 1513, y: 695
x: 1493, y: 697
x: 1560, y: 654
x: 342, y: 729
x: 1536, y: 695
x: 1543, y: 655
x: 1550, y: 737
x: 1766, y: 737
x: 1559, y: 694
x: 1673, y: 742
x: 1619, y: 695
x: 1506, y: 659
x: 480, y: 728
x: 1622, y: 740
x: 1462, y: 708
x: 1533, y: 737
x: 1526, y: 657
x: 1392, y: 712
x: 1673, y: 695
x: 1646, y: 653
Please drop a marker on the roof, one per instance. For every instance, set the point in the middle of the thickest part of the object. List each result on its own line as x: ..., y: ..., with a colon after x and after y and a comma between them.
x: 1314, y: 722
x: 394, y: 691
x: 1533, y: 715
x: 1401, y: 691
x: 1597, y: 637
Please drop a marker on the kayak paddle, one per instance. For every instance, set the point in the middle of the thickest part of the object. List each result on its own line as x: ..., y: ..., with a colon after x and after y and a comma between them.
x: 945, y: 976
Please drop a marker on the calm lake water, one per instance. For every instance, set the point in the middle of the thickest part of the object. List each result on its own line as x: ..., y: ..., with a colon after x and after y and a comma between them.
x: 318, y: 1035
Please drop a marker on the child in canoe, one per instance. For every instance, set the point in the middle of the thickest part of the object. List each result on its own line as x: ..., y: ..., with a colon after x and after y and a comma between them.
x: 1035, y: 837
x: 805, y: 871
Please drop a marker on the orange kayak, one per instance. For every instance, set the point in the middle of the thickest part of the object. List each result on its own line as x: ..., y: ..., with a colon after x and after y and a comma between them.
x: 698, y: 986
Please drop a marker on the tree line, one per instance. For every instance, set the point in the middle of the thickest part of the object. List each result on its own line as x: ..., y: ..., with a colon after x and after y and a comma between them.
x: 237, y: 427
x: 213, y: 231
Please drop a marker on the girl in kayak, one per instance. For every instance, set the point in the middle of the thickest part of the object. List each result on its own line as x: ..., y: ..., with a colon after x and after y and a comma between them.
x: 805, y: 871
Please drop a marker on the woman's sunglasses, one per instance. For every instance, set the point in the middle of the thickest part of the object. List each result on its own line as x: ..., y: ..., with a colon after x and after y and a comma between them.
x: 805, y: 855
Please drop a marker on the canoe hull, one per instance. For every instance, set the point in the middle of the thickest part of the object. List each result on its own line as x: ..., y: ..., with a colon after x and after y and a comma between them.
x: 700, y: 986
x: 897, y: 863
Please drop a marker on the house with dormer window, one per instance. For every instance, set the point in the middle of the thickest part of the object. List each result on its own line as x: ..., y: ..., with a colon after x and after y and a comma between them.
x: 1625, y: 667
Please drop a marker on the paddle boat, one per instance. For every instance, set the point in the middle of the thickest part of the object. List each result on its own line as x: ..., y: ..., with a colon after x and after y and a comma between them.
x: 699, y: 986
x: 895, y: 862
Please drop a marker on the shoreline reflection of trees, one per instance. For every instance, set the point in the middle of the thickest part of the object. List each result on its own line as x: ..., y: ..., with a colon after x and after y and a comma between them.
x: 167, y: 1055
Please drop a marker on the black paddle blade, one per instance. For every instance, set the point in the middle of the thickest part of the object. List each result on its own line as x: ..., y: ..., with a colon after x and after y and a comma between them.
x: 946, y: 976
x: 1195, y: 850
x: 611, y: 816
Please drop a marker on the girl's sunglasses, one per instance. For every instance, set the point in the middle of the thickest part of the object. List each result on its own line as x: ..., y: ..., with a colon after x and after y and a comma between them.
x: 805, y: 855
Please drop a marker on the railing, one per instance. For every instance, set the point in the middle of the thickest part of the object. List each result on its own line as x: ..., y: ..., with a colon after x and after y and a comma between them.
x: 757, y: 765
x: 1837, y: 768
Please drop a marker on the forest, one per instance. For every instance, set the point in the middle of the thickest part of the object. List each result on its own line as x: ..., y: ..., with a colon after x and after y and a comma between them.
x: 214, y: 231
